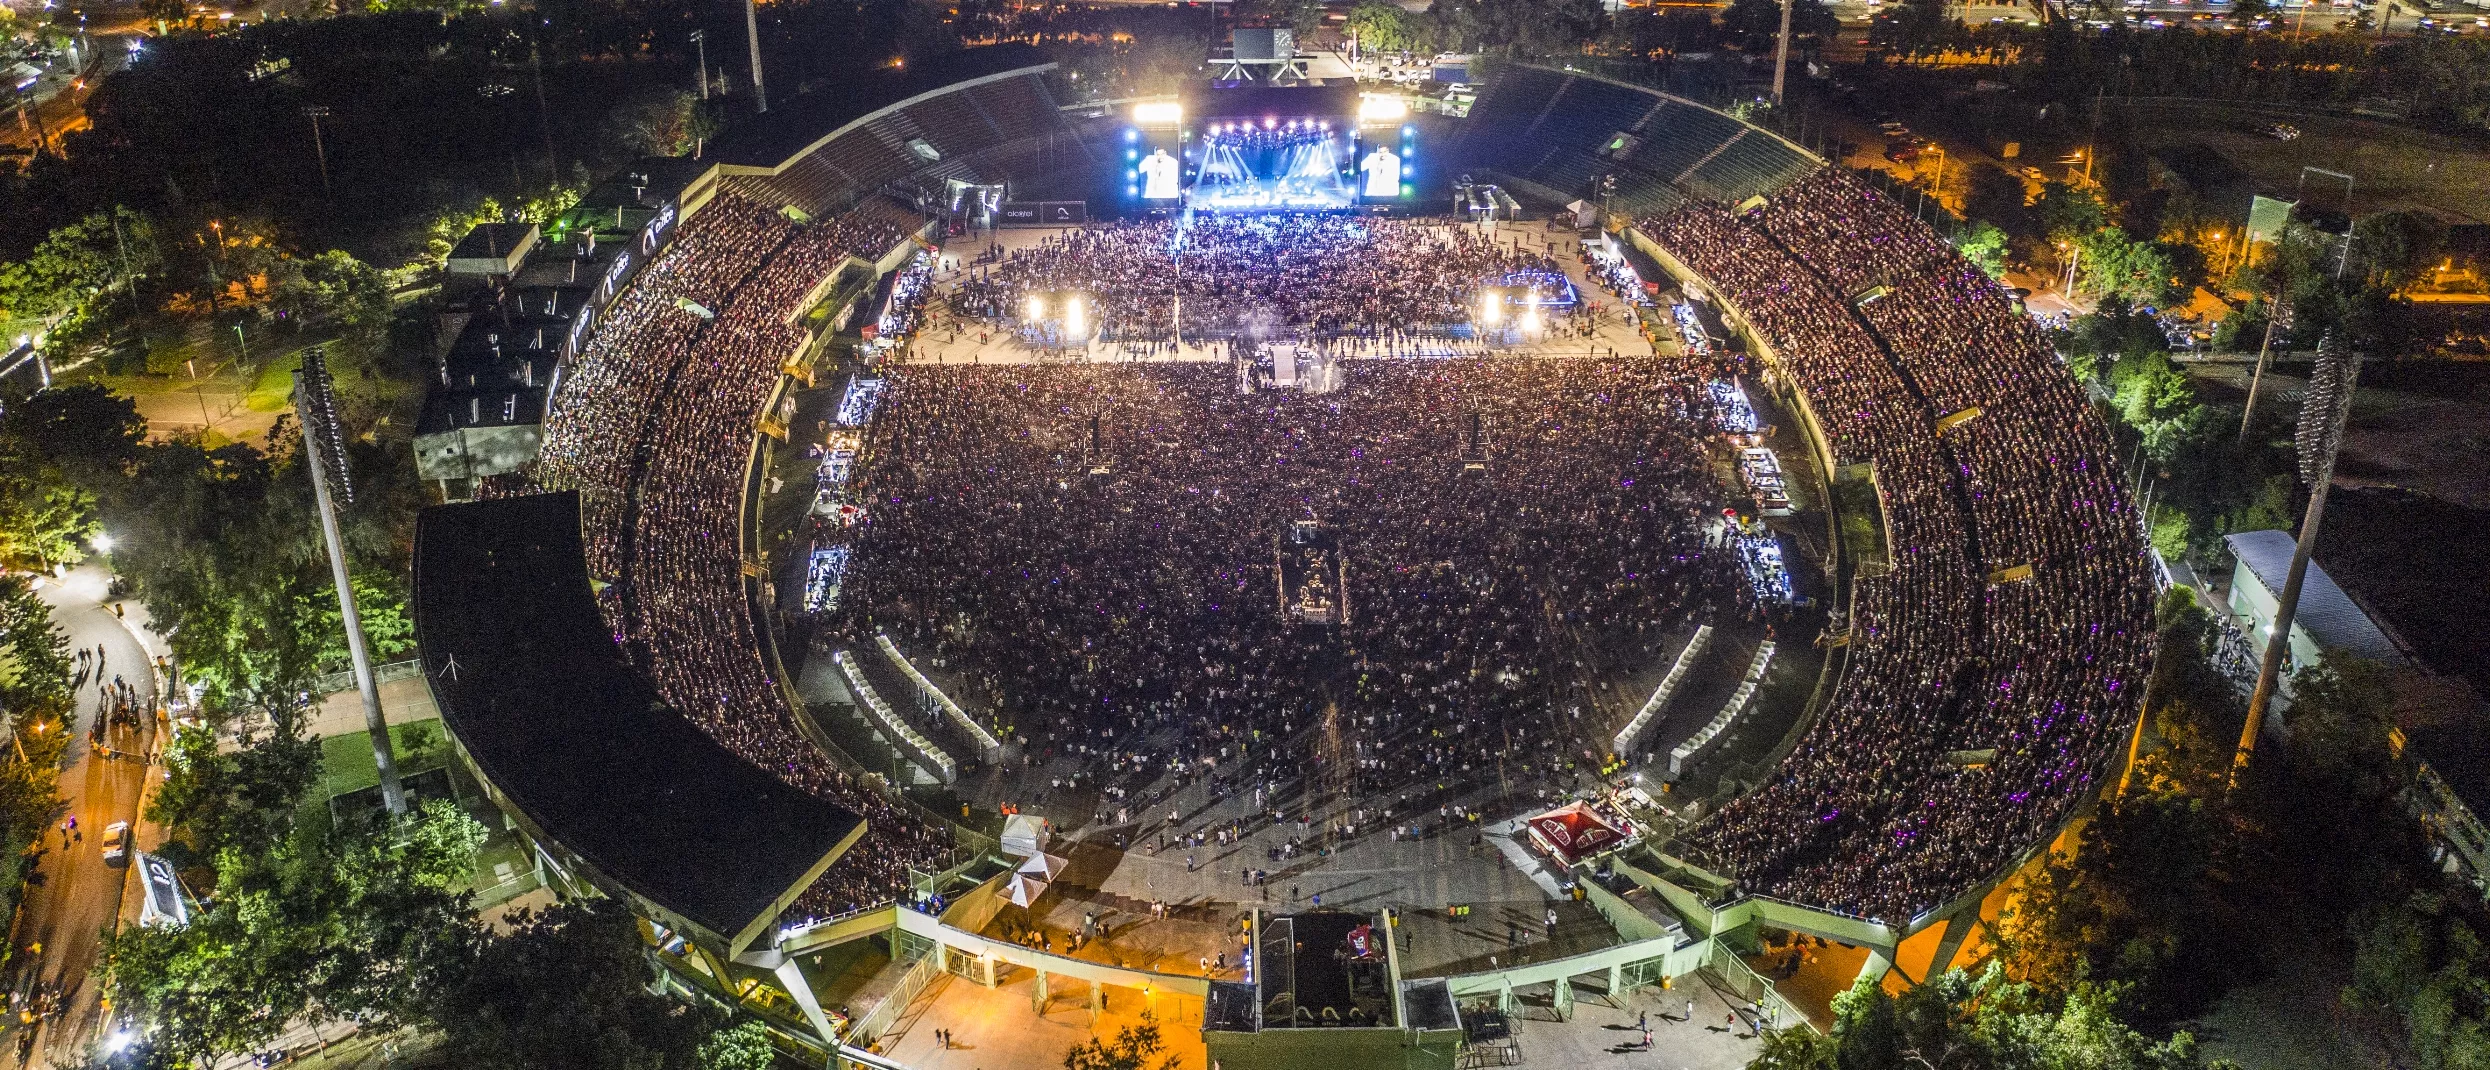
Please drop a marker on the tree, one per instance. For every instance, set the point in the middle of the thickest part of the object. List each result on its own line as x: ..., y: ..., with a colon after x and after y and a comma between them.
x: 1301, y: 17
x: 2111, y: 264
x: 743, y: 1046
x: 84, y: 428
x: 1132, y: 1049
x: 1985, y: 246
x: 67, y: 275
x: 1380, y: 27
x: 566, y: 988
x: 365, y: 921
x: 2068, y: 213
x: 1913, y: 27
x: 664, y: 121
x: 1754, y: 24
x: 218, y: 800
x: 35, y: 702
x: 44, y: 518
x: 332, y: 288
x: 2247, y: 12
x: 1969, y: 1020
x: 2398, y: 248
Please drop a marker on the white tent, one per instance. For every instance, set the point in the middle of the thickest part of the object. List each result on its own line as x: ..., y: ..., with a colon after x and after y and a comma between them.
x: 1042, y: 866
x: 1585, y: 213
x: 1025, y: 835
x: 1024, y: 889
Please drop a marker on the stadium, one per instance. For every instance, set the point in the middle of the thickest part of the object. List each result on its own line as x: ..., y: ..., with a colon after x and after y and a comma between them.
x: 951, y: 510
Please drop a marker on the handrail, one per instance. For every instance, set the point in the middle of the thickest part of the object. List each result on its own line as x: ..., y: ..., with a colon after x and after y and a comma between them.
x: 885, y: 1014
x: 1729, y: 710
x: 987, y: 746
x: 1660, y: 695
x: 890, y: 721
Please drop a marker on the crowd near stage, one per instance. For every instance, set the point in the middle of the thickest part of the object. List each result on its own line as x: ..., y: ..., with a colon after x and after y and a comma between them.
x: 1160, y: 290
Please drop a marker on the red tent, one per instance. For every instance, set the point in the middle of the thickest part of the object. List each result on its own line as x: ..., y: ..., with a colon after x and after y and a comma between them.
x: 1572, y: 832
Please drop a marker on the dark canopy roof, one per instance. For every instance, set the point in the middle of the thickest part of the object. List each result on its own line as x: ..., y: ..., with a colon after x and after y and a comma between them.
x: 1282, y: 102
x: 558, y: 720
x: 794, y: 124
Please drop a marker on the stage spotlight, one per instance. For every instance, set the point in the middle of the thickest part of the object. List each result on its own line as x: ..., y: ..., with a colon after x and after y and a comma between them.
x: 1490, y: 308
x: 1158, y: 111
x: 1037, y: 309
x: 1072, y: 319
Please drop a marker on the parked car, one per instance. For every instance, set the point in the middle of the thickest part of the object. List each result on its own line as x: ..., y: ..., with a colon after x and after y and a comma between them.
x: 2282, y: 131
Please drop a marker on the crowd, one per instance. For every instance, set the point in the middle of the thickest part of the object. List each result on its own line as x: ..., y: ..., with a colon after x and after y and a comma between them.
x: 1130, y: 620
x: 653, y: 428
x: 1993, y: 667
x: 1093, y: 544
x: 1257, y: 275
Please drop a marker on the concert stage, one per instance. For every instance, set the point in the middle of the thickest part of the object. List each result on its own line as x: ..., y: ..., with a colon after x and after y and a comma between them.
x: 1294, y: 148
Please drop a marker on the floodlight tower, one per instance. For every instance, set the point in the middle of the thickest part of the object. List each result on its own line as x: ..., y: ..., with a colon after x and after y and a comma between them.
x: 2322, y: 415
x: 752, y: 37
x: 1781, y: 53
x: 324, y: 447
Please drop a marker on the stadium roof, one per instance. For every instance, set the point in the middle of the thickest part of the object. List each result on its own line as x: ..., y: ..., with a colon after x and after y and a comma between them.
x: 562, y: 725
x: 795, y: 124
x: 2329, y: 616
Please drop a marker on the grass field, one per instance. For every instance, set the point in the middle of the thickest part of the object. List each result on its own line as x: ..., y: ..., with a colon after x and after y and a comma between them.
x: 2391, y: 166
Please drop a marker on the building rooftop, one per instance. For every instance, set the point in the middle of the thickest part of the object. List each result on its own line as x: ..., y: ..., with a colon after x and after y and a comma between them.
x: 556, y: 719
x: 2326, y: 612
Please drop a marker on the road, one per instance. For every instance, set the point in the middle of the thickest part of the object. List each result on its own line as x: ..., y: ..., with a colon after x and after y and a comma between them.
x: 79, y: 896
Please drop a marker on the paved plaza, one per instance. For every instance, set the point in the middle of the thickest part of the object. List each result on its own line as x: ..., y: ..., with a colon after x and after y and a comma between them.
x: 1002, y: 1029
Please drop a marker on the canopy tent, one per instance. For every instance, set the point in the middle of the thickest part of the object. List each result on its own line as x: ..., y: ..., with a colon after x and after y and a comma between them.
x: 1573, y: 832
x: 1042, y: 867
x: 1024, y: 889
x: 1025, y: 835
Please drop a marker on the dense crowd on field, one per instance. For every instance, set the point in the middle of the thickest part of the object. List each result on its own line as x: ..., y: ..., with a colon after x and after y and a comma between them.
x: 1258, y: 275
x: 1978, y: 703
x: 1131, y: 620
x: 653, y: 427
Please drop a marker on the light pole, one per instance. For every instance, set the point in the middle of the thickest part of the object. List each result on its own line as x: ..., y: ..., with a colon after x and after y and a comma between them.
x: 752, y: 37
x: 323, y: 444
x: 316, y: 113
x: 2328, y: 404
x: 2276, y: 317
x: 700, y: 43
x: 1781, y: 54
x: 1937, y: 188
